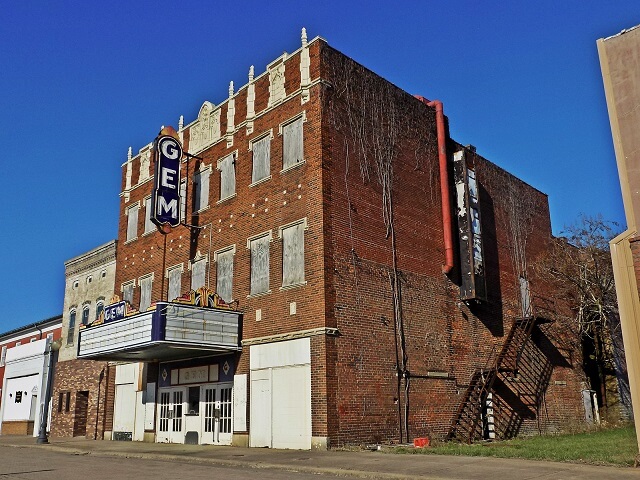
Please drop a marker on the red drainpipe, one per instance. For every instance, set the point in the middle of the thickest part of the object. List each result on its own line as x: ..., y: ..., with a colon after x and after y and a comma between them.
x: 444, y: 183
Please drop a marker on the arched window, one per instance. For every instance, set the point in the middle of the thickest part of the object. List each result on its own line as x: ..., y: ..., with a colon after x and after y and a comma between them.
x: 99, y: 308
x: 85, y: 315
x: 72, y: 327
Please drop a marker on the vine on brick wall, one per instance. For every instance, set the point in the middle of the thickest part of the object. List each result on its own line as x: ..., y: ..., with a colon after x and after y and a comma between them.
x: 372, y: 114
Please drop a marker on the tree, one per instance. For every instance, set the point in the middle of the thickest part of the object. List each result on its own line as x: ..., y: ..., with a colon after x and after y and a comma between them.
x: 580, y: 264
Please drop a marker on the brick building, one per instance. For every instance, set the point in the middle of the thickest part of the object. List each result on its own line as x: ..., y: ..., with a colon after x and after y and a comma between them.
x: 24, y: 367
x: 79, y: 389
x: 375, y: 275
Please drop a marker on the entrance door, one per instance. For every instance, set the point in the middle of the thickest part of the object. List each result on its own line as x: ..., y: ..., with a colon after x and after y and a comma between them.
x: 171, y: 416
x: 80, y: 417
x: 217, y: 427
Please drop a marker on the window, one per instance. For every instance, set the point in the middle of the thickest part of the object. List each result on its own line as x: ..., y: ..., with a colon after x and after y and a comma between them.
x: 525, y: 297
x: 201, y: 188
x: 227, y: 167
x: 85, y: 315
x: 3, y: 356
x: 292, y: 145
x: 198, y: 270
x: 99, y: 308
x: 149, y: 226
x: 183, y: 199
x: 132, y: 222
x: 67, y: 401
x: 146, y: 283
x: 259, y: 247
x: 261, y: 158
x: 127, y: 291
x: 60, y: 400
x: 71, y: 330
x: 175, y: 282
x: 224, y: 273
x: 293, y: 253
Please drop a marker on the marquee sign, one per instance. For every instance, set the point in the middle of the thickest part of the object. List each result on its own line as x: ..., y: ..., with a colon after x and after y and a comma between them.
x: 165, y: 201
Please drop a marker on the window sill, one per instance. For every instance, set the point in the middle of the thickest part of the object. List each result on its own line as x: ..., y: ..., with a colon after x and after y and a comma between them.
x: 203, y: 209
x: 261, y: 294
x: 291, y: 167
x: 131, y: 240
x: 294, y: 285
x: 222, y: 200
x: 258, y: 182
x: 145, y: 234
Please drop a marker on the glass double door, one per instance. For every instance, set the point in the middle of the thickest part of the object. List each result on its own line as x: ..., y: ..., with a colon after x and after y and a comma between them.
x: 217, y: 425
x: 204, y: 409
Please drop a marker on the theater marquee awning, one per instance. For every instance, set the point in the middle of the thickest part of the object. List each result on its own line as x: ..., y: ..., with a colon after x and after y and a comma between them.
x: 171, y: 331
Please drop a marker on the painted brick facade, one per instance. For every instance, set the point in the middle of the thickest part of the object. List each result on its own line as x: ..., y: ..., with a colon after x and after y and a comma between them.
x: 79, y: 389
x: 356, y: 394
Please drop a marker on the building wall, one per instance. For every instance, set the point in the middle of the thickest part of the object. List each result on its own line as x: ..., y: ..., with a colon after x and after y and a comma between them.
x: 619, y: 56
x: 26, y: 334
x: 445, y: 340
x: 89, y: 281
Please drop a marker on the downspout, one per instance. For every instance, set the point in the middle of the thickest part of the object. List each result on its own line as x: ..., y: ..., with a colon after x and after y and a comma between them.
x: 444, y: 183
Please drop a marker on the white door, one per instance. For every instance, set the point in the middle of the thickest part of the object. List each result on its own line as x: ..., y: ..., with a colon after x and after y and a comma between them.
x: 216, y: 412
x: 291, y: 411
x: 124, y: 412
x: 260, y: 433
x: 281, y: 407
x: 171, y: 415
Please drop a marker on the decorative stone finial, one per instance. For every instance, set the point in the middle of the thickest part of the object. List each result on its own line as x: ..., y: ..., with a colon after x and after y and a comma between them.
x: 251, y: 73
x: 181, y: 122
x: 304, y: 37
x: 129, y: 154
x: 230, y: 89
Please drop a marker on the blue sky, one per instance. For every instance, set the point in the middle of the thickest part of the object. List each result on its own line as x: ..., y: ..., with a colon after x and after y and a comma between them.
x: 81, y: 81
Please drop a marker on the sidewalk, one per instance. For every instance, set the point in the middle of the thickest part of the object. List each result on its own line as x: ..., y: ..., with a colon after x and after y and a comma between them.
x: 362, y: 464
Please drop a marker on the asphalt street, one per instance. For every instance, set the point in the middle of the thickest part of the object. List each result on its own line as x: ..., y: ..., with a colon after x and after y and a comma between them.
x: 71, y: 459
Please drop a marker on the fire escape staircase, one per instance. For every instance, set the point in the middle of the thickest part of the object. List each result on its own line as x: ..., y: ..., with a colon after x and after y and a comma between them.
x: 467, y: 424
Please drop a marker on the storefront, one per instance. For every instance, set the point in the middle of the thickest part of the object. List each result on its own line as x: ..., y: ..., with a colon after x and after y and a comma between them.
x: 195, y: 401
x: 178, y: 384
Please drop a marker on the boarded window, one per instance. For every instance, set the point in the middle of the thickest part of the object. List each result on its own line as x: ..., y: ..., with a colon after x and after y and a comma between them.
x: 145, y: 292
x: 201, y: 189
x: 183, y: 199
x: 525, y: 297
x: 224, y: 275
x: 227, y: 167
x: 259, y: 265
x: 72, y: 327
x: 149, y: 226
x: 198, y: 268
x: 292, y: 144
x: 293, y: 254
x: 175, y: 283
x: 85, y: 316
x: 132, y: 222
x: 127, y: 292
x: 261, y: 159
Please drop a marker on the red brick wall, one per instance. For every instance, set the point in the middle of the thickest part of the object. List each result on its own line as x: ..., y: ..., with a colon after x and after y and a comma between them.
x: 77, y: 376
x: 441, y: 333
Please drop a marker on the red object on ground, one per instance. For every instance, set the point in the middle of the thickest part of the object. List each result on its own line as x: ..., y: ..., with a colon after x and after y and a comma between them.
x: 421, y: 442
